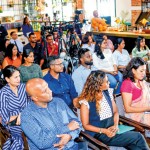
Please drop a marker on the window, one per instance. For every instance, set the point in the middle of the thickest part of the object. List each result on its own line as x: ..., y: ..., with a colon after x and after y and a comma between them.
x: 104, y: 7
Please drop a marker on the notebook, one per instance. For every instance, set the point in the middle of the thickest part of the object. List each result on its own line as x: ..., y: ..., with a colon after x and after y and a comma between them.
x: 124, y: 128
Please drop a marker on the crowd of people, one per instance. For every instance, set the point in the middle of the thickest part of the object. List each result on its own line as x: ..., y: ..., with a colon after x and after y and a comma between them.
x: 43, y: 106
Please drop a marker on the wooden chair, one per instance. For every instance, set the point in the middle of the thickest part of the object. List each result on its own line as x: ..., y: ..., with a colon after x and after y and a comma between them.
x: 45, y: 71
x: 138, y: 126
x: 4, y: 135
x: 147, y: 73
x: 92, y: 143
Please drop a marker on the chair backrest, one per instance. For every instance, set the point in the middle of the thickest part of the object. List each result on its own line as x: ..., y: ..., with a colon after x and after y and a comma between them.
x: 45, y: 71
x: 120, y: 106
x: 148, y: 72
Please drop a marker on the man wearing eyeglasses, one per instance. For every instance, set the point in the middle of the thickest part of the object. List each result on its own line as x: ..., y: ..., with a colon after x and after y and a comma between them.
x: 60, y: 83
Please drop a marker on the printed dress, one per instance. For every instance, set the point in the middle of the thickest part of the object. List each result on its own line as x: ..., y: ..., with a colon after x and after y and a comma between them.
x: 12, y: 105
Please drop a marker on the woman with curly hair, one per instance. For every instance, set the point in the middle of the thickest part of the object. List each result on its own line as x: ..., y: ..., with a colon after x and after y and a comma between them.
x: 135, y: 91
x: 99, y: 114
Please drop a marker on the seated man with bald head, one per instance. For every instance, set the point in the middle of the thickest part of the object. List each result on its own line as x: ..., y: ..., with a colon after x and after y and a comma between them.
x: 47, y: 122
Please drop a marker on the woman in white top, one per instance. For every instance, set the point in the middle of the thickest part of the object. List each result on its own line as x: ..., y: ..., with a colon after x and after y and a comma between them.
x: 103, y: 60
x: 121, y: 55
x: 88, y: 42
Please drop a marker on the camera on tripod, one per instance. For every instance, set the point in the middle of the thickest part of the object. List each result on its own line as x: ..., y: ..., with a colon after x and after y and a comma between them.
x: 43, y: 28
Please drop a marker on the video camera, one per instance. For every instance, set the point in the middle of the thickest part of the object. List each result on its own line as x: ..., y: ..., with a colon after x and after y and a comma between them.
x: 43, y: 28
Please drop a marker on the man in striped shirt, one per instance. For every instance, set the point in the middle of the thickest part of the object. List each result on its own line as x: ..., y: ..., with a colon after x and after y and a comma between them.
x: 48, y: 122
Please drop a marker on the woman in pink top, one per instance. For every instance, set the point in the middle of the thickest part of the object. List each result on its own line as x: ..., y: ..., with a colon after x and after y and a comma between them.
x: 135, y: 91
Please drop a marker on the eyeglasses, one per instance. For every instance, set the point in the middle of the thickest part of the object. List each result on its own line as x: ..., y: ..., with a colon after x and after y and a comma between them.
x: 61, y: 64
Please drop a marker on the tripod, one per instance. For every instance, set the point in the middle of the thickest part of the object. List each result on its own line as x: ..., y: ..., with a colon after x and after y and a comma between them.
x: 45, y: 50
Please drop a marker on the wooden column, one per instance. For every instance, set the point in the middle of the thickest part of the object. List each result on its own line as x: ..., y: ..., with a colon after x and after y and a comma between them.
x: 135, y: 13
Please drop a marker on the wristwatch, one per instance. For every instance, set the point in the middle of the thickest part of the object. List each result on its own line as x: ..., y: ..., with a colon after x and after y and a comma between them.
x: 100, y: 131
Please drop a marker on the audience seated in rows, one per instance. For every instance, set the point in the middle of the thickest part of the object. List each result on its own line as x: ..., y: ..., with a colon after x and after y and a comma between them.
x: 3, y: 51
x: 135, y: 91
x: 13, y: 99
x: 103, y: 60
x: 99, y: 114
x: 109, y: 43
x: 80, y: 75
x: 59, y: 82
x: 14, y: 39
x: 52, y: 46
x: 36, y: 48
x: 29, y: 69
x: 121, y: 55
x: 141, y: 49
x: 48, y: 122
x: 12, y: 56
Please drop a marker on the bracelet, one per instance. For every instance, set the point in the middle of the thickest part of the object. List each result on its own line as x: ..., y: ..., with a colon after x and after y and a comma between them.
x: 100, y: 131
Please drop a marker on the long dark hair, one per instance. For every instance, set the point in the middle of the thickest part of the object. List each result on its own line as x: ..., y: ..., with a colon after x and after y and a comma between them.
x: 118, y: 42
x: 26, y: 53
x: 24, y: 21
x: 91, y: 91
x: 134, y: 63
x: 98, y: 50
x: 9, y: 52
x: 138, y: 40
x: 3, y: 47
x: 9, y: 70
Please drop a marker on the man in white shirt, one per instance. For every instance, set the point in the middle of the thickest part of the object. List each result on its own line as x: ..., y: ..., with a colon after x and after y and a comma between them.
x: 16, y: 41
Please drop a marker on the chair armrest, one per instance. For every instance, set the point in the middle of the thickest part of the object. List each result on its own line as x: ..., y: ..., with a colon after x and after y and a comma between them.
x: 139, y: 123
x: 132, y: 123
x: 94, y: 141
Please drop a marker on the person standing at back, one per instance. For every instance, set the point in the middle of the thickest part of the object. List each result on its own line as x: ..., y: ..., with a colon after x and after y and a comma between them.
x: 26, y: 27
x: 3, y: 33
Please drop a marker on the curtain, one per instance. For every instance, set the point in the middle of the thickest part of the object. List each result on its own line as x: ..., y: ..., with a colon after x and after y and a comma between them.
x: 106, y: 7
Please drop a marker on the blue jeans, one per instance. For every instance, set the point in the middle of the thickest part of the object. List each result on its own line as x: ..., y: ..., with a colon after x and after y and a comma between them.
x: 115, y: 81
x: 130, y: 140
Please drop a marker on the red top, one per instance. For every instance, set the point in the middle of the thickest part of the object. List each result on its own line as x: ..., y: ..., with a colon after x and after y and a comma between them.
x: 55, y: 52
x: 129, y: 87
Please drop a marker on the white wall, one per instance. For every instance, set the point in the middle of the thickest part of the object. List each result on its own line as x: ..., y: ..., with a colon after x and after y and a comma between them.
x: 125, y: 5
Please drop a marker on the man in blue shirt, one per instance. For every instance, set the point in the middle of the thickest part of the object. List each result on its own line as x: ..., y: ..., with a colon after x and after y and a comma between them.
x: 48, y: 122
x: 59, y: 82
x: 37, y: 49
x: 80, y: 75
